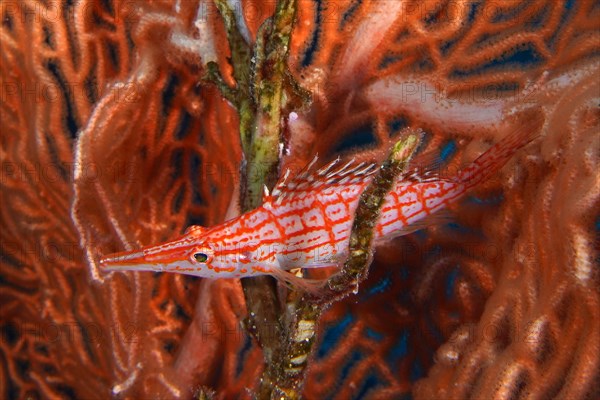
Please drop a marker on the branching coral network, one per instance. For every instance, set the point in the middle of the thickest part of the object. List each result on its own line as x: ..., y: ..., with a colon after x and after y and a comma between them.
x: 112, y: 137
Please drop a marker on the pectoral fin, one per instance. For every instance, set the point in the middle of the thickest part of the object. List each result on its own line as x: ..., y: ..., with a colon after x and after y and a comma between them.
x: 313, y: 286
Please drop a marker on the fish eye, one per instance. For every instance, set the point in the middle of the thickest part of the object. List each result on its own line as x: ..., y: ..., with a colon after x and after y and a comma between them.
x: 200, y: 257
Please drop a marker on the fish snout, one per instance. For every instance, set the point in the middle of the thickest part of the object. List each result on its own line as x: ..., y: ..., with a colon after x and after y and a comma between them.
x: 124, y: 261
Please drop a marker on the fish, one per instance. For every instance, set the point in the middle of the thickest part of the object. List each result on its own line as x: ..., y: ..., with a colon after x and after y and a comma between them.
x: 306, y: 222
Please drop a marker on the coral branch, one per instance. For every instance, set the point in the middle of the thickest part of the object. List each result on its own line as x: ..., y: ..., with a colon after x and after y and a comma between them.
x: 367, y: 213
x: 240, y: 97
x: 303, y: 311
x: 259, y: 99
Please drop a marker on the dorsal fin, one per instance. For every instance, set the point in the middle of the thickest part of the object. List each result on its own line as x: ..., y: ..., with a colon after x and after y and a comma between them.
x: 266, y: 195
x: 334, y: 173
x: 424, y: 167
x: 197, y: 229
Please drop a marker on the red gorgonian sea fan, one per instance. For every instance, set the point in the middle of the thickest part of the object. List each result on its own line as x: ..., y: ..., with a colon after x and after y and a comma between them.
x: 109, y: 142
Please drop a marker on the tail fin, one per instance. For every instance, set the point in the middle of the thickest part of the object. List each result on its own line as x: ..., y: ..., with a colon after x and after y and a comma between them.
x: 529, y: 127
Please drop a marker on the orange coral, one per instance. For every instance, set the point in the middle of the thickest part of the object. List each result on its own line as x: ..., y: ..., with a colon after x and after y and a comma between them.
x: 109, y: 142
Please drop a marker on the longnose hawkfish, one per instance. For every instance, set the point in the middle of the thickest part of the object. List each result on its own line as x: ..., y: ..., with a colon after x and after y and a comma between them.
x: 306, y: 222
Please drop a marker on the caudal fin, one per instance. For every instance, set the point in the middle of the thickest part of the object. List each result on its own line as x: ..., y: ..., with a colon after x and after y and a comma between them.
x: 529, y: 125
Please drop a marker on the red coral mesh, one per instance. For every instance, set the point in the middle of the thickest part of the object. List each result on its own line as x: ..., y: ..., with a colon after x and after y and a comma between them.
x: 479, y: 306
x: 501, y: 302
x: 144, y: 166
